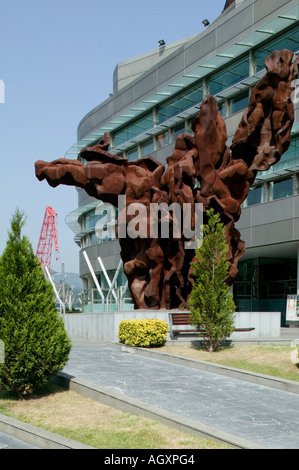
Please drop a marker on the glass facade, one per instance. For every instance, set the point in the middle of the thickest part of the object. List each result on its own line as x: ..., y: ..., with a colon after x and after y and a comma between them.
x: 217, y: 81
x: 255, y: 196
x: 263, y: 284
x: 239, y: 102
x: 132, y: 154
x: 293, y: 151
x: 147, y: 147
x: 100, y: 227
x: 223, y: 109
x: 289, y: 40
x: 133, y: 130
x: 180, y: 103
x: 90, y: 219
x: 229, y: 75
x: 178, y: 130
x: 282, y: 188
x: 162, y: 140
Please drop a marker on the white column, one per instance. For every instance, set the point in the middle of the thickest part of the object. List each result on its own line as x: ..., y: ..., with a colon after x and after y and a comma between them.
x: 94, y: 278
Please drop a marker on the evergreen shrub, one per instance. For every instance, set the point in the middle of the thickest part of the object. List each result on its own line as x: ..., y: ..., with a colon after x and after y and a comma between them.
x: 144, y: 333
x: 32, y: 331
x: 211, y: 305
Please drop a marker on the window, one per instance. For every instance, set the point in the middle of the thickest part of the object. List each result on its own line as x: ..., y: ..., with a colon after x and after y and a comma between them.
x: 178, y: 130
x: 179, y: 103
x: 222, y: 108
x: 147, y: 147
x: 132, y: 154
x: 239, y: 103
x: 90, y: 220
x: 293, y: 150
x: 282, y: 188
x: 86, y: 241
x: 162, y: 140
x: 105, y: 228
x: 254, y: 196
x: 94, y: 239
x: 289, y: 40
x: 132, y: 130
x: 229, y: 75
x: 103, y: 281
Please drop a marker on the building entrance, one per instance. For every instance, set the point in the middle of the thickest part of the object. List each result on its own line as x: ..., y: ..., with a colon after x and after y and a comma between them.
x: 263, y: 285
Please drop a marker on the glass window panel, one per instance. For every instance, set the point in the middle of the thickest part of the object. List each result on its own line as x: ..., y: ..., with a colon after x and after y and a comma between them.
x: 91, y: 219
x: 293, y: 150
x: 239, y: 102
x: 254, y: 196
x: 222, y: 109
x: 121, y: 278
x: 178, y: 130
x: 180, y: 102
x: 135, y: 128
x: 168, y: 110
x: 289, y: 40
x: 132, y: 154
x: 106, y: 235
x: 94, y: 239
x: 283, y: 188
x: 147, y: 147
x: 229, y: 75
x: 163, y: 139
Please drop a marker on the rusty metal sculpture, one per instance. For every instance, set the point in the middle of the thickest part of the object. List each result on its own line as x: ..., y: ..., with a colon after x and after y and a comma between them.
x: 202, y: 169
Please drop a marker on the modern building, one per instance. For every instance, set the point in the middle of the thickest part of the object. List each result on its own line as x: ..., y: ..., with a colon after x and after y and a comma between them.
x: 155, y: 97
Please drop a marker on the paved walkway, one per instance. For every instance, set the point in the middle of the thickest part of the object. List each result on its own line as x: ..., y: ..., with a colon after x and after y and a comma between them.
x: 262, y: 415
x: 10, y: 442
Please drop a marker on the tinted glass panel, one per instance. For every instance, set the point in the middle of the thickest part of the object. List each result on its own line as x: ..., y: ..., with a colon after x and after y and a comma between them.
x: 228, y: 76
x: 293, y: 150
x: 132, y: 130
x: 181, y: 102
x: 91, y: 219
x: 222, y: 109
x: 132, y: 154
x: 254, y: 196
x: 289, y: 40
x: 163, y: 139
x: 178, y: 130
x: 239, y: 102
x: 147, y: 147
x: 283, y: 188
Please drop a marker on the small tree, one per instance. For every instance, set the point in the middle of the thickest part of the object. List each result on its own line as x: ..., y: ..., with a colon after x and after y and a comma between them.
x: 36, y: 343
x: 212, y: 307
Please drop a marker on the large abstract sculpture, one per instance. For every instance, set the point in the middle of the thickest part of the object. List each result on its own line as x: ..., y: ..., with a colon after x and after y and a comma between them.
x: 201, y: 170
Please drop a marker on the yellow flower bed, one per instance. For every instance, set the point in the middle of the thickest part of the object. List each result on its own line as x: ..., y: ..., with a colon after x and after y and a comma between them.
x: 143, y: 333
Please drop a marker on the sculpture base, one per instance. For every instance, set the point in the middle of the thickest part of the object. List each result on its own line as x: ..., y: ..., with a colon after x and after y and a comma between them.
x: 104, y: 326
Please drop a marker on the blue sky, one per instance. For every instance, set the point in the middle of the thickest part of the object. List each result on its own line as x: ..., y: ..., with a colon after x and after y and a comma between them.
x: 57, y: 60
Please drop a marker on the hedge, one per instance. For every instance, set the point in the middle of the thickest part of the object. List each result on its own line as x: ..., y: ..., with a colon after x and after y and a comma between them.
x: 143, y: 333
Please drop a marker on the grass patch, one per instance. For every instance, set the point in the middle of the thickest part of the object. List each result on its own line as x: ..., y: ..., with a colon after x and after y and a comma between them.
x: 271, y: 360
x: 69, y: 414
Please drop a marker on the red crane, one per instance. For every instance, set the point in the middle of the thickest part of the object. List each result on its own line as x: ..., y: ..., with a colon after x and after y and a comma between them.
x: 48, y: 235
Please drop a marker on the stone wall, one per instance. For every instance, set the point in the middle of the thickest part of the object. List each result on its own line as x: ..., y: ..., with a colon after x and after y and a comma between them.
x: 104, y: 326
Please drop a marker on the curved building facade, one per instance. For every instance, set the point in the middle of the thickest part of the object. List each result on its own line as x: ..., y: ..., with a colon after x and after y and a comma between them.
x: 156, y: 97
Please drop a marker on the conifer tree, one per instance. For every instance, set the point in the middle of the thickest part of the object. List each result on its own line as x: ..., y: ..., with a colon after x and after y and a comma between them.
x: 212, y: 307
x: 35, y: 340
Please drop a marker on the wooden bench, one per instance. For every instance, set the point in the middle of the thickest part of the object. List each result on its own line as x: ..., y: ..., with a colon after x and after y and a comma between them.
x: 180, y: 323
